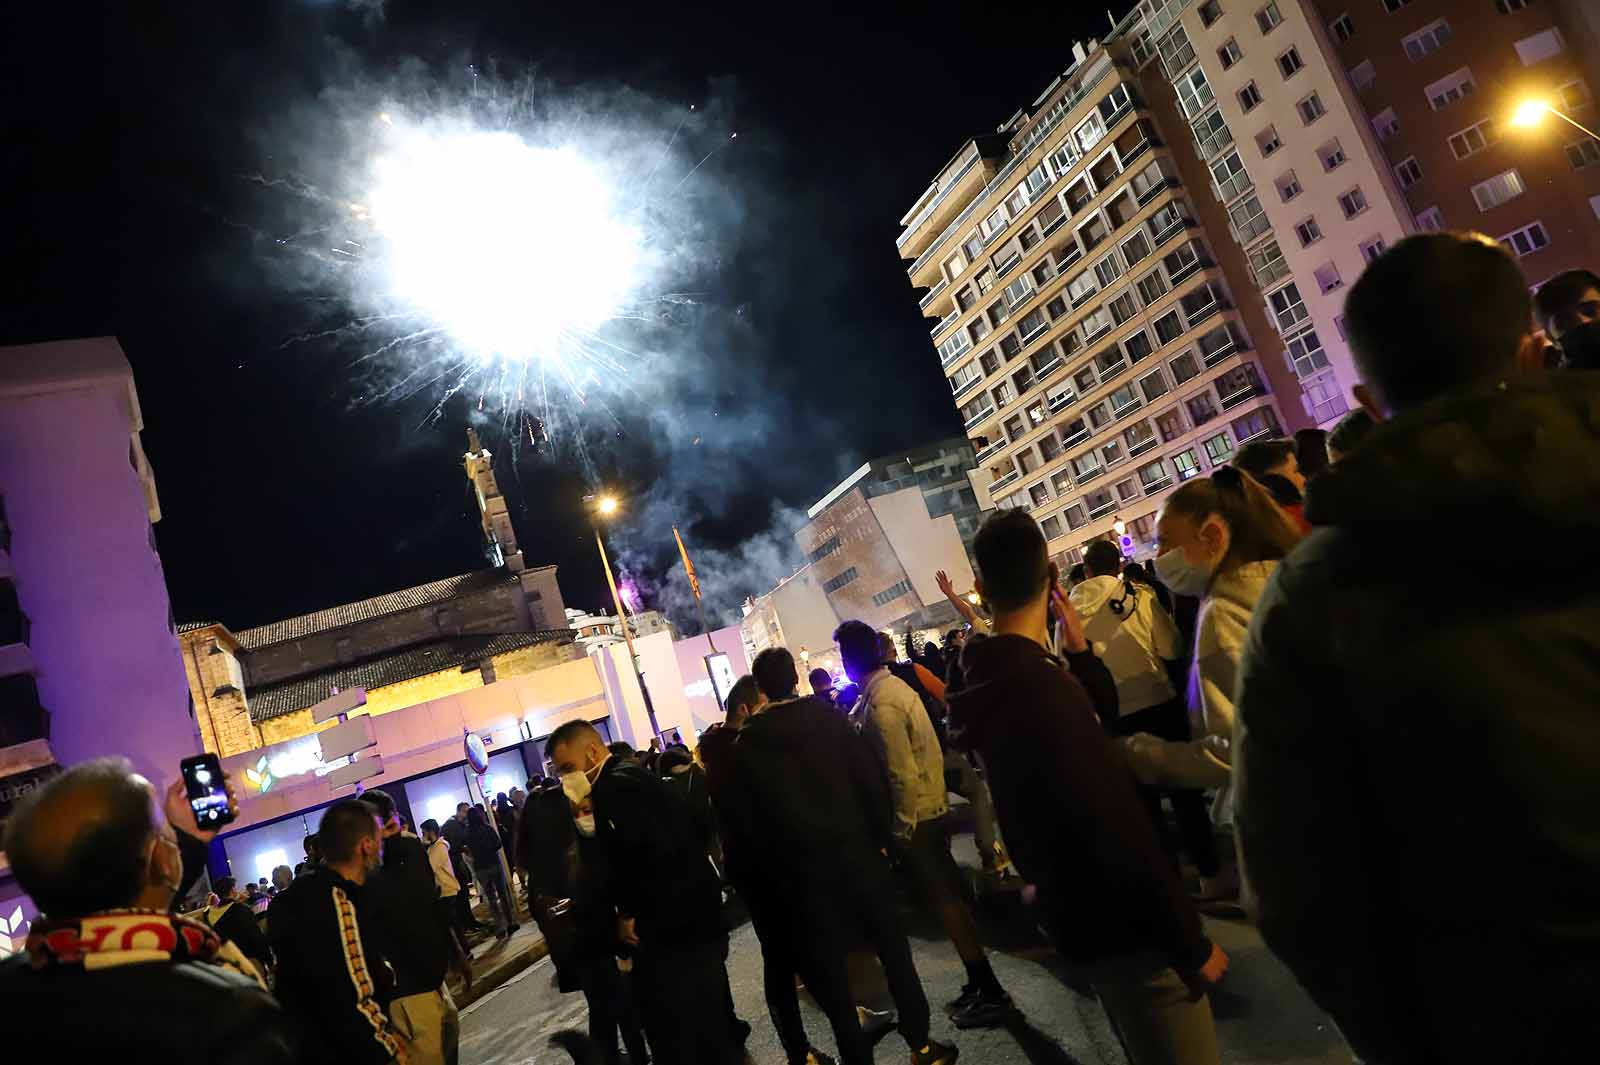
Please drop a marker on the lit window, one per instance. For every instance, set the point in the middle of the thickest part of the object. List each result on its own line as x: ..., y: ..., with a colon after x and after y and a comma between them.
x: 1527, y: 240
x: 1497, y: 190
x: 1229, y: 53
x: 1473, y: 139
x: 1304, y: 353
x: 1343, y: 29
x: 1249, y: 97
x: 1540, y: 46
x: 1352, y: 203
x: 1370, y: 250
x: 1290, y: 63
x: 1328, y: 278
x: 1308, y: 231
x: 1432, y: 37
x: 1269, y: 18
x: 1311, y: 109
x: 1194, y: 93
x: 1408, y: 172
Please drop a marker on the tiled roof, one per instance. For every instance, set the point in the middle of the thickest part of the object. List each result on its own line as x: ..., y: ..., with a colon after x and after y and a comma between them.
x: 367, y: 609
x: 284, y: 697
x: 190, y: 626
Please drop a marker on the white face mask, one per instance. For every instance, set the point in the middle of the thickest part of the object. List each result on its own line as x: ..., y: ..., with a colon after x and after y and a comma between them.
x: 577, y: 785
x: 1182, y: 576
x: 585, y: 823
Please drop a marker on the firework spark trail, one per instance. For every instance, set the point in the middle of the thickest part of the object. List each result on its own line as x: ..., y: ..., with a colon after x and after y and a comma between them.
x: 731, y: 138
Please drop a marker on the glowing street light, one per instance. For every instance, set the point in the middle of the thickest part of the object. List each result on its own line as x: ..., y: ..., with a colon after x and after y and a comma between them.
x: 605, y: 506
x: 1529, y: 113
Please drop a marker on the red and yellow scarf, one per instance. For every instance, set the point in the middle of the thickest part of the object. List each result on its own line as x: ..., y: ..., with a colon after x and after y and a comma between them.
x: 130, y: 937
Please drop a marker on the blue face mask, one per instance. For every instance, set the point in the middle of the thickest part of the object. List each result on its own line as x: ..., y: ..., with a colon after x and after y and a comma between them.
x: 1182, y: 576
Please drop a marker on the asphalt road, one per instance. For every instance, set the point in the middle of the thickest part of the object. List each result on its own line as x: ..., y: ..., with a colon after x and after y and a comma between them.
x: 1262, y: 1015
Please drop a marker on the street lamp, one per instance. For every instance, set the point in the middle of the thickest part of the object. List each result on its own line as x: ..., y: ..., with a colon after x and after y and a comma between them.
x: 605, y: 506
x: 1530, y: 113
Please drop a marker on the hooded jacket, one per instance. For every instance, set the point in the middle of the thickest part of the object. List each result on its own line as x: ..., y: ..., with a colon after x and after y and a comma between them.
x: 1419, y: 729
x: 1132, y: 635
x: 1071, y: 815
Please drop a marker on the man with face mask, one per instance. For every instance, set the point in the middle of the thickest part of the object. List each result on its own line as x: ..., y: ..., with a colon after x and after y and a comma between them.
x: 108, y: 972
x: 1417, y: 805
x: 333, y: 975
x: 667, y: 897
x: 1567, y: 308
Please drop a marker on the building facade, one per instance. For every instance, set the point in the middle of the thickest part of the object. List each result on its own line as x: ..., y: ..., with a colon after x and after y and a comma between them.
x: 1438, y: 82
x: 1099, y: 324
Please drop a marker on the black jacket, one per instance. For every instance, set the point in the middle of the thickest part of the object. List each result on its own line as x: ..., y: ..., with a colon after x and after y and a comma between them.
x: 238, y: 925
x: 187, y: 1011
x: 1069, y: 810
x: 402, y: 900
x: 660, y: 874
x: 1418, y: 730
x: 332, y: 974
x: 484, y: 844
x: 802, y: 793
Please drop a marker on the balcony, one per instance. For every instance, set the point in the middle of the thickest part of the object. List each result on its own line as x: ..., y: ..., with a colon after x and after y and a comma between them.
x: 1261, y: 433
x: 1126, y: 409
x: 1000, y: 483
x: 1226, y: 347
x: 1142, y: 446
x: 1062, y: 401
x: 988, y: 451
x: 1187, y: 271
x: 1158, y: 484
x: 946, y: 322
x: 1043, y: 370
x: 1104, y: 508
x: 1068, y: 255
x: 1009, y: 265
x: 933, y: 293
x: 1090, y: 338
x: 933, y: 204
x: 968, y: 387
x: 979, y: 417
x: 1088, y: 475
x: 1202, y: 312
x: 1035, y: 333
x: 1155, y: 190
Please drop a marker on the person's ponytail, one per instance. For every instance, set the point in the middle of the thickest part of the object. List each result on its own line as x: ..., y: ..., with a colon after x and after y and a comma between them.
x: 1259, y: 530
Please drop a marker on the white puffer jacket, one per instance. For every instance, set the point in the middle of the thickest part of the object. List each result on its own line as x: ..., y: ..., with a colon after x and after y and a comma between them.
x: 1135, y: 643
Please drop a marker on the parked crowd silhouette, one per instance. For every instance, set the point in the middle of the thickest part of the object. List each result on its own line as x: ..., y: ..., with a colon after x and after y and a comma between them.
x: 1350, y: 699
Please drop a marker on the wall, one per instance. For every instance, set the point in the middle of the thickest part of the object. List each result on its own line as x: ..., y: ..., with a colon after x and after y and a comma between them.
x: 924, y: 545
x: 546, y: 608
x: 219, y: 706
x: 698, y: 691
x: 862, y: 545
x: 87, y: 574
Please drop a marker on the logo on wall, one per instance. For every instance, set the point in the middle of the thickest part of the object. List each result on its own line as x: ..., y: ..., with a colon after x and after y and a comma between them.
x: 12, y: 929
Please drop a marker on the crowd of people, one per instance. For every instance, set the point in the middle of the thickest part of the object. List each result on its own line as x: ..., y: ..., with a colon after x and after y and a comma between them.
x: 1388, y: 765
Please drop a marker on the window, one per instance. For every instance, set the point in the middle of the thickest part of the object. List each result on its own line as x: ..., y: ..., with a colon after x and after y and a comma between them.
x: 1432, y: 37
x: 1497, y: 190
x: 979, y: 328
x: 1135, y: 248
x: 1185, y: 464
x: 1219, y: 449
x: 1267, y: 140
x: 1154, y: 386
x: 1371, y: 248
x: 1352, y: 203
x: 1408, y: 173
x: 1184, y: 368
x: 1115, y: 103
x: 833, y: 584
x: 1138, y: 346
x: 1229, y: 174
x: 1123, y: 307
x: 1170, y: 425
x: 1505, y: 7
x: 1267, y: 263
x: 1176, y: 51
x: 1210, y: 11
x: 955, y: 347
x: 1583, y: 153
x: 1288, y: 186
x: 1268, y: 18
x: 1063, y: 156
x: 1288, y: 309
x: 1127, y: 490
x: 1077, y: 517
x: 1249, y: 97
x: 1450, y: 88
x: 1474, y: 139
x: 1051, y: 527
x: 1527, y: 240
x: 981, y: 407
x: 1573, y: 95
x: 1391, y: 6
x: 1081, y: 288
x: 1430, y: 220
x: 1154, y: 475
x: 1249, y: 220
x: 1328, y: 278
x: 1039, y: 495
x: 965, y: 298
x: 1090, y: 131
x: 1084, y: 379
x: 1211, y: 134
x: 1290, y: 63
x: 985, y: 281
x: 1107, y: 270
x: 1385, y: 124
x: 1343, y: 29
x: 1095, y: 323
x: 965, y: 376
x: 824, y: 549
x: 1308, y: 231
x: 1033, y: 323
x: 1183, y: 261
x: 1362, y: 75
x: 1331, y: 155
x: 1125, y: 398
x: 1049, y: 448
x: 1152, y: 286
x: 1304, y: 354
x: 1202, y: 408
x: 1194, y: 93
x: 1229, y: 53
x: 1310, y: 109
x: 1169, y: 327
x: 1540, y: 46
x: 891, y: 593
x: 1257, y: 423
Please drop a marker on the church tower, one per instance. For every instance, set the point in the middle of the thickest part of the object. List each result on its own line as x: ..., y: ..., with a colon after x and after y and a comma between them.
x: 500, y: 539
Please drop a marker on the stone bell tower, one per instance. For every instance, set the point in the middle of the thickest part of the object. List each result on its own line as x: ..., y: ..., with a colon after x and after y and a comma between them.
x: 500, y: 539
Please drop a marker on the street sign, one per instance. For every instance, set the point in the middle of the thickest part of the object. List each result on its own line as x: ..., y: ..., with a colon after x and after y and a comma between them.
x: 346, y: 775
x: 347, y: 738
x: 338, y: 703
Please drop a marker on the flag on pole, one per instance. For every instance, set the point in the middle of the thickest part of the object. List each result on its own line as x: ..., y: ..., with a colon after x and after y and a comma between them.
x: 688, y: 567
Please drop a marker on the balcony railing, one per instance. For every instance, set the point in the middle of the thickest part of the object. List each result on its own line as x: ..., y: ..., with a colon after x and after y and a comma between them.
x: 1211, y: 358
x: 976, y: 418
x: 1068, y: 255
x: 1134, y: 152
x: 1186, y: 272
x: 1062, y: 401
x: 944, y: 193
x: 1200, y: 314
x: 990, y: 450
x: 1088, y: 475
x: 1009, y: 265
x: 1104, y: 508
x: 1000, y: 482
x: 1076, y: 438
x: 1097, y: 334
x: 1238, y: 396
x: 933, y: 293
x: 1035, y: 333
x: 1142, y: 446
x: 1158, y: 484
x: 1153, y: 191
x: 945, y: 322
x: 1265, y: 430
x: 1111, y: 369
x: 1126, y: 409
x: 1044, y: 369
x: 1177, y: 226
x: 968, y: 387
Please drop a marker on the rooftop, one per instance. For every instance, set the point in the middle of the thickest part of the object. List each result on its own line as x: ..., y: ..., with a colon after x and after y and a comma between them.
x: 285, y: 697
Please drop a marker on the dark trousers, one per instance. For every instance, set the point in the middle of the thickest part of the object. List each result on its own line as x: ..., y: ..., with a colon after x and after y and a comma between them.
x: 778, y: 969
x: 461, y: 901
x: 611, y: 1010
x: 859, y: 899
x: 1170, y: 721
x: 683, y: 1002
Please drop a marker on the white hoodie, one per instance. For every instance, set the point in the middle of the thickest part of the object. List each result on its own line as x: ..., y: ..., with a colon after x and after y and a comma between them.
x: 1135, y: 645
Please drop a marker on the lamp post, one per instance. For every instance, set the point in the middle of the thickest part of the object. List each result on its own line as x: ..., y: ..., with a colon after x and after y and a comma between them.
x: 605, y: 507
x: 1530, y: 113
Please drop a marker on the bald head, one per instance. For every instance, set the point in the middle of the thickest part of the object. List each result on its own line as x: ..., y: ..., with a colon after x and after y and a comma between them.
x: 90, y: 840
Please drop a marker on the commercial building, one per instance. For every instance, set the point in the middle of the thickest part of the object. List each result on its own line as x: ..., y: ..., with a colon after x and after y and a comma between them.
x: 1438, y: 83
x: 89, y: 661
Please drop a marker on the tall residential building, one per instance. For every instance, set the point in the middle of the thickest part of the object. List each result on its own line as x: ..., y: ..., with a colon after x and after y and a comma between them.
x: 1097, y: 318
x: 1438, y: 81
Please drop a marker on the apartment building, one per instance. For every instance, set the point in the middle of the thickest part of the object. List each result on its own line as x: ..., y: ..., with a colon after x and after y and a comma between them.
x: 1099, y: 325
x: 1439, y: 81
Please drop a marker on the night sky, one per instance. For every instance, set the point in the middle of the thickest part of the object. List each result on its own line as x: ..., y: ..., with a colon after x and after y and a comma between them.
x: 125, y: 134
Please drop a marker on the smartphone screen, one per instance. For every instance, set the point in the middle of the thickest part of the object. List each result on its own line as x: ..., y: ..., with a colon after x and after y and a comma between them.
x: 202, y: 777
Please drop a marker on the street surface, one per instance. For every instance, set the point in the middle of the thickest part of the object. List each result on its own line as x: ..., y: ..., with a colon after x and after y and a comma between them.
x: 1262, y: 1015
